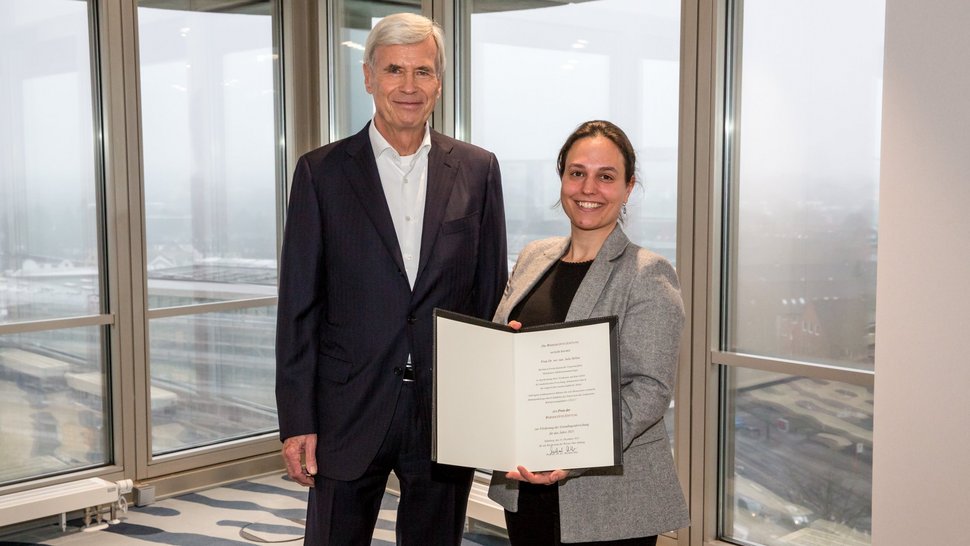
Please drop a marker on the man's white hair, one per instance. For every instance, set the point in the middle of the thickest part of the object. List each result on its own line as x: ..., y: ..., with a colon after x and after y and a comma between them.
x: 405, y: 29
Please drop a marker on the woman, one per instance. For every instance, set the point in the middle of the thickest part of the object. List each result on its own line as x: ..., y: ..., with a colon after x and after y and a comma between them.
x: 596, y: 272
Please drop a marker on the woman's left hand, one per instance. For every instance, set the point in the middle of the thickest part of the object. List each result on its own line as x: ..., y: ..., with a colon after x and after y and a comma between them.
x: 540, y: 478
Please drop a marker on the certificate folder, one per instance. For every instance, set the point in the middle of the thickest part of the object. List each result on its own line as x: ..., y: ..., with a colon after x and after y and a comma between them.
x: 545, y: 397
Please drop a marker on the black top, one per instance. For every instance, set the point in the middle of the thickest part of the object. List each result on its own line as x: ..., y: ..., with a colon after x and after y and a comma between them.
x: 546, y: 303
x: 549, y: 300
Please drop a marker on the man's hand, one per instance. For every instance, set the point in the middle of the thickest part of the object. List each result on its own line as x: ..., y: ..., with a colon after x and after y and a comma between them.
x: 540, y: 478
x: 300, y: 456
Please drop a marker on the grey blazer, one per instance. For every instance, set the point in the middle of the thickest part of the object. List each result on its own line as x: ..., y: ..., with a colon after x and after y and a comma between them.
x: 643, y: 496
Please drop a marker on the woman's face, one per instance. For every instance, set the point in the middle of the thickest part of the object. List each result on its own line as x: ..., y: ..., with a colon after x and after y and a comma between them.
x: 594, y: 184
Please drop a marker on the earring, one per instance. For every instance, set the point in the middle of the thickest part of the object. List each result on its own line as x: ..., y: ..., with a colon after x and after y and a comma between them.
x: 623, y: 210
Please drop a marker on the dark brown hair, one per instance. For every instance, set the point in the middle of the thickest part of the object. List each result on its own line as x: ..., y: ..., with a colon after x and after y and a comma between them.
x: 606, y: 130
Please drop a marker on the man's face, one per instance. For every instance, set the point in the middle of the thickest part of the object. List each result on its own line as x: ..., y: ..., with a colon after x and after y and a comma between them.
x: 405, y: 85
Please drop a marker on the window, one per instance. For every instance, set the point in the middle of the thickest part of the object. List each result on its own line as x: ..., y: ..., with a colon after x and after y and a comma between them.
x: 531, y: 76
x: 534, y: 75
x: 799, y: 269
x: 352, y: 106
x: 53, y: 403
x: 209, y: 129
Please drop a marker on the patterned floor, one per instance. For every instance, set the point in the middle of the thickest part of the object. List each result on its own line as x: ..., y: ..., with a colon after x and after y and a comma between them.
x: 266, y: 510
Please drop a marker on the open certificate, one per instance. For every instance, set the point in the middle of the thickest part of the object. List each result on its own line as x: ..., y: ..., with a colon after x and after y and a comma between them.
x: 545, y: 397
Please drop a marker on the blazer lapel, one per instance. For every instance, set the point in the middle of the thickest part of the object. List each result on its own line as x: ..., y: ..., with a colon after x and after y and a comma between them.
x: 598, y: 275
x: 361, y: 173
x: 526, y: 274
x: 442, y: 174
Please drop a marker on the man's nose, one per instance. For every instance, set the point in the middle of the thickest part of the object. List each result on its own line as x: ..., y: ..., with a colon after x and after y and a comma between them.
x: 410, y: 82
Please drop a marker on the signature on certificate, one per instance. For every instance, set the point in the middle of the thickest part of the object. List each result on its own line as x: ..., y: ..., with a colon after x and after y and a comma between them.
x: 562, y: 450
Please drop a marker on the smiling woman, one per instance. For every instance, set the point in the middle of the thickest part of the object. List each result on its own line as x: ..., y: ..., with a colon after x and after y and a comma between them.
x: 596, y: 165
x: 596, y: 272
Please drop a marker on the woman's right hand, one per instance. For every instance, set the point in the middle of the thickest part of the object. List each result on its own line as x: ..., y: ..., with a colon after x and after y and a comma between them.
x: 522, y: 474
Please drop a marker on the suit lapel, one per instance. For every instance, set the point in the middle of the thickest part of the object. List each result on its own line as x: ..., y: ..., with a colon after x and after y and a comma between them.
x: 361, y: 173
x: 442, y: 174
x: 527, y: 273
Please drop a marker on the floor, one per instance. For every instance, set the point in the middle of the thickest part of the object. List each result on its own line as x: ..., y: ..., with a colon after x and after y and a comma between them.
x: 269, y: 509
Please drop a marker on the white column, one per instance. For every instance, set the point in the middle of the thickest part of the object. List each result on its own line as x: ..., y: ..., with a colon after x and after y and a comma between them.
x: 921, y: 470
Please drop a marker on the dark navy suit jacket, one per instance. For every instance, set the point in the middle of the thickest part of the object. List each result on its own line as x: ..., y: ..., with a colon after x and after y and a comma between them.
x: 347, y: 317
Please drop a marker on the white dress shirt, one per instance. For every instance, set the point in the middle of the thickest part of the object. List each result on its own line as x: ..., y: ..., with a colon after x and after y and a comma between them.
x: 405, y: 183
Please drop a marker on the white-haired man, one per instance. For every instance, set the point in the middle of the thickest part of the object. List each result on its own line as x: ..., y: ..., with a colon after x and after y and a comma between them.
x: 382, y: 227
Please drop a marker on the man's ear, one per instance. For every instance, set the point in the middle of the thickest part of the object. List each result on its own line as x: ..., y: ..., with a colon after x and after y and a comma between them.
x: 368, y: 73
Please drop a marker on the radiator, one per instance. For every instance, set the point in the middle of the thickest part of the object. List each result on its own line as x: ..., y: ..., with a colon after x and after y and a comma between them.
x: 482, y: 508
x: 60, y: 499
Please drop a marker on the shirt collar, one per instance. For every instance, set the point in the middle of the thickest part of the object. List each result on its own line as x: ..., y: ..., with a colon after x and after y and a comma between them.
x: 381, y: 145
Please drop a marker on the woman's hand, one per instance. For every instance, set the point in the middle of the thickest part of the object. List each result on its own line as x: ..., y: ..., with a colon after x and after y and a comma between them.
x: 522, y: 474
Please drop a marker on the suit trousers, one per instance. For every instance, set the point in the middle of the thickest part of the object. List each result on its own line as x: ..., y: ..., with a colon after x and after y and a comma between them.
x: 431, y: 511
x: 537, y: 521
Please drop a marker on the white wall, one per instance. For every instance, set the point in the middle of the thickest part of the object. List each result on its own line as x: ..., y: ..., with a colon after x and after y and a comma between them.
x: 921, y: 471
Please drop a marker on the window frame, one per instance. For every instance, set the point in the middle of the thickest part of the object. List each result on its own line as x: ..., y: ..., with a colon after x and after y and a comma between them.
x: 719, y: 70
x: 260, y: 448
x: 111, y: 289
x: 692, y: 220
x: 303, y: 34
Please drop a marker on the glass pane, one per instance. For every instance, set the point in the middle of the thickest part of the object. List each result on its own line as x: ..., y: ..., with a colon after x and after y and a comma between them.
x: 53, y: 415
x: 212, y: 377
x: 803, y: 281
x: 209, y: 147
x: 352, y: 105
x: 48, y: 200
x: 536, y: 74
x: 798, y: 460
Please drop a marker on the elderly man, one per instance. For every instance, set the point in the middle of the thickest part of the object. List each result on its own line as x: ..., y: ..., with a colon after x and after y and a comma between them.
x: 382, y: 227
